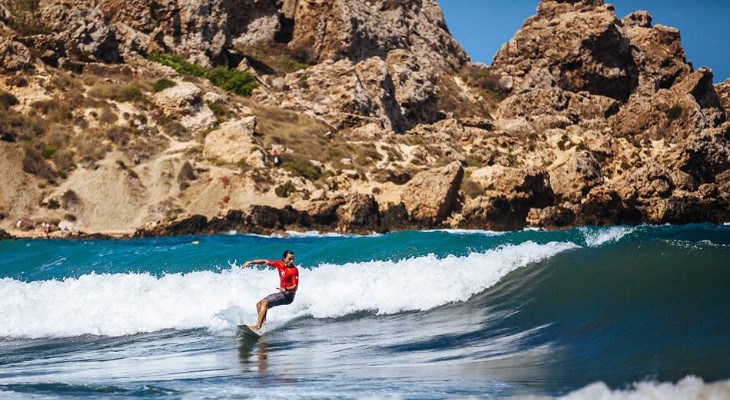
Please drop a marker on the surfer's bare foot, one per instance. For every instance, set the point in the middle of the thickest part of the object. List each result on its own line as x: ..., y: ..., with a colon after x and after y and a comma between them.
x: 254, y: 327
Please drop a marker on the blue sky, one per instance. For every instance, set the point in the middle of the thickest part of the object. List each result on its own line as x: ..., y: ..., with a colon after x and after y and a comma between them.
x: 481, y: 26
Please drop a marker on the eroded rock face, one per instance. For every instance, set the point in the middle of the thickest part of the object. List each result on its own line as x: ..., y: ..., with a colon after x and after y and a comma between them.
x: 359, y: 213
x: 431, y: 195
x: 14, y: 56
x: 82, y: 29
x: 4, y: 235
x: 574, y: 178
x: 707, y: 156
x: 397, y: 92
x: 358, y: 30
x: 688, y: 107
x: 509, y: 195
x: 576, y: 46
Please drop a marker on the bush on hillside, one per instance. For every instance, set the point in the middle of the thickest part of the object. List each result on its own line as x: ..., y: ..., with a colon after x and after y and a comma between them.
x: 239, y: 82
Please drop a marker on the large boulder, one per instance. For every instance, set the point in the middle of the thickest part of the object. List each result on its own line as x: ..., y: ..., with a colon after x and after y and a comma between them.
x: 603, y: 206
x: 575, y: 176
x: 688, y: 107
x: 233, y: 142
x: 185, y: 101
x: 14, y: 56
x: 707, y: 155
x: 551, y: 217
x: 509, y: 195
x: 359, y: 213
x: 430, y: 196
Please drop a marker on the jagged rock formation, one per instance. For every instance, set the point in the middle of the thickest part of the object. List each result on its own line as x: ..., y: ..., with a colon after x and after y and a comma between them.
x: 367, y: 117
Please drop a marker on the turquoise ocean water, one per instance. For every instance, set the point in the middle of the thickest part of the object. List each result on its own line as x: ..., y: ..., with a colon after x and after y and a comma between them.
x: 617, y: 312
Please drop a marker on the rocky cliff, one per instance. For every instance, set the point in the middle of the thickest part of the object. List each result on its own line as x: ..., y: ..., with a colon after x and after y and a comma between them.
x: 167, y: 117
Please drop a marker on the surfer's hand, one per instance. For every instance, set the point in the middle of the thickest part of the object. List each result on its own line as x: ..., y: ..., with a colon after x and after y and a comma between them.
x: 246, y: 264
x: 282, y: 290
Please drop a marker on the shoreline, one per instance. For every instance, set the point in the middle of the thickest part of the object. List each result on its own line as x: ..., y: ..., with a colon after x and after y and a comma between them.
x: 137, y: 234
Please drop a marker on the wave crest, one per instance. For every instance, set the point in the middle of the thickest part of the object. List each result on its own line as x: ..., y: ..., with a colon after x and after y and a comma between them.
x: 121, y: 304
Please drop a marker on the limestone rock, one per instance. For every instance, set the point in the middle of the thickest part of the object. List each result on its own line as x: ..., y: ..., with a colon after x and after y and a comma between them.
x: 82, y: 29
x: 358, y: 30
x: 723, y: 94
x: 658, y: 53
x: 551, y: 217
x: 574, y: 177
x: 431, y: 195
x: 689, y: 106
x: 647, y: 182
x: 509, y: 194
x: 184, y: 100
x: 14, y: 56
x: 4, y: 235
x: 707, y: 155
x: 321, y: 30
x: 398, y: 93
x: 359, y: 213
x: 567, y: 108
x: 603, y: 206
x: 683, y: 209
x: 576, y: 46
x: 233, y: 142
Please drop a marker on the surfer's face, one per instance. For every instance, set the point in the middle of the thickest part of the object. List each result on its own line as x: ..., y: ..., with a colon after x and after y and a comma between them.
x: 289, y: 259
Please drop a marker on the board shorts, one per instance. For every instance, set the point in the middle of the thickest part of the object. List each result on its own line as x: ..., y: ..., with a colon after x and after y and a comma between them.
x: 280, y: 299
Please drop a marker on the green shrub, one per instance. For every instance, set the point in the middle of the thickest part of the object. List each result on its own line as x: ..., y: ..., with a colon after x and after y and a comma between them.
x: 49, y: 151
x: 238, y: 82
x: 219, y: 110
x: 163, y: 84
x: 178, y: 64
x: 302, y: 167
x: 674, y: 112
x: 285, y: 190
x: 54, y: 109
x: 7, y: 100
x: 128, y: 93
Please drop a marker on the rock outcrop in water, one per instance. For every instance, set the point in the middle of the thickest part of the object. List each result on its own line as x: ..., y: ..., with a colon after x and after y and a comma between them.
x: 365, y: 116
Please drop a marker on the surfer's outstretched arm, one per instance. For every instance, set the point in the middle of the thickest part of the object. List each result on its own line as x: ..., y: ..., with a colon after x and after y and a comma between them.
x: 260, y: 262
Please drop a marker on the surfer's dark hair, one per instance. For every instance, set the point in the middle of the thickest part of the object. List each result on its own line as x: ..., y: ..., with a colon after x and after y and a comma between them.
x: 286, y: 253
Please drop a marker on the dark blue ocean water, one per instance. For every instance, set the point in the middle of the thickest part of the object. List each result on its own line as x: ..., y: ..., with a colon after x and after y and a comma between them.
x: 619, y: 312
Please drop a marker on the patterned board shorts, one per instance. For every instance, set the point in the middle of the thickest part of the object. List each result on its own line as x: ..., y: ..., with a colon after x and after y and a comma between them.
x: 280, y: 299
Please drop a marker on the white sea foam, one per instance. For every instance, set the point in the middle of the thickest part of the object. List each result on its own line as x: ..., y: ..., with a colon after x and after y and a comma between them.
x: 595, y: 237
x: 466, y: 232
x: 689, y: 388
x: 306, y: 234
x: 120, y: 304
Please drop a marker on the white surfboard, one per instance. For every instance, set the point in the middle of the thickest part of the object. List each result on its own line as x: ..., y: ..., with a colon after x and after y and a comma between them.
x: 248, y: 331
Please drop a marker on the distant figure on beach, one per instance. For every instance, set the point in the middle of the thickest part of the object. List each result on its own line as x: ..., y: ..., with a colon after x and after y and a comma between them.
x: 288, y: 284
x: 275, y: 156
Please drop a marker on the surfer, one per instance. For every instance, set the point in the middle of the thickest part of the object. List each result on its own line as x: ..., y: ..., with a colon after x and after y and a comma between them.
x: 288, y: 283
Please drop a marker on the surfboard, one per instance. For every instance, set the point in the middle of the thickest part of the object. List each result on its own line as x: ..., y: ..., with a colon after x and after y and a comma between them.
x: 249, y: 332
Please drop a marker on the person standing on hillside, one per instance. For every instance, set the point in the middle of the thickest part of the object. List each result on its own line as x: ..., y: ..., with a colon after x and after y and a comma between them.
x: 289, y: 282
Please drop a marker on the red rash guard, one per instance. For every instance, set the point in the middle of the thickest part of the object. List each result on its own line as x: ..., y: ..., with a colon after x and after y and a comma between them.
x: 287, y: 276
